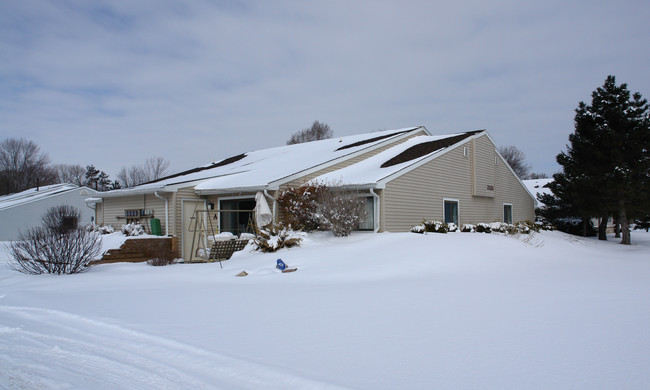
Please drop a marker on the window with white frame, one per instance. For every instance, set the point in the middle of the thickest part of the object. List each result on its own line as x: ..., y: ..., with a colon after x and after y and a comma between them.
x: 368, y: 223
x: 507, y: 213
x: 450, y: 211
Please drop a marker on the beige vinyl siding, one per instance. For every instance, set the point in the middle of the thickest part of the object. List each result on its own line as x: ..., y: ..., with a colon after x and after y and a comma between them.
x: 113, y: 209
x: 510, y: 190
x: 304, y: 179
x: 175, y: 211
x: 419, y: 194
x: 482, y: 155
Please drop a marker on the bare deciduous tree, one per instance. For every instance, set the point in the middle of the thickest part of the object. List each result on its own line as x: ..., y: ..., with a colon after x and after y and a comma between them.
x: 516, y: 159
x: 23, y: 166
x: 70, y: 173
x: 153, y: 168
x: 316, y: 132
x: 535, y: 176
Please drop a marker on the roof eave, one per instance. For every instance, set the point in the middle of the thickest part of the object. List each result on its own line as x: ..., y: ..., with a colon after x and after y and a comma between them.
x: 230, y: 190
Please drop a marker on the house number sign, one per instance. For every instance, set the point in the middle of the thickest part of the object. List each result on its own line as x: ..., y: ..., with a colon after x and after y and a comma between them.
x: 490, y: 188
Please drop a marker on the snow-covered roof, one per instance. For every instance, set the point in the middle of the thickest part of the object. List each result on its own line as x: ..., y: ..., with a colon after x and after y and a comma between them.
x: 537, y: 186
x: 372, y: 171
x: 268, y: 167
x: 36, y: 194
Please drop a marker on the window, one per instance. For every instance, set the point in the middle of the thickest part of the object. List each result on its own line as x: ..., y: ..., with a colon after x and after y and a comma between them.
x: 368, y: 223
x: 507, y: 213
x: 236, y: 215
x: 451, y: 211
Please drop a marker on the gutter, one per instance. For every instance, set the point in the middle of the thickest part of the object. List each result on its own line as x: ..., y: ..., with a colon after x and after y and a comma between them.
x: 166, y: 212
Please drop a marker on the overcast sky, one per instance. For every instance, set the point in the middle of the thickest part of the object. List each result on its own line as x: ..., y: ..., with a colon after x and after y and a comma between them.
x: 112, y: 83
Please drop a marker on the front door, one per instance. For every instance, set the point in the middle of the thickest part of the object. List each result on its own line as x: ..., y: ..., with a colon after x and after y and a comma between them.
x: 192, y: 235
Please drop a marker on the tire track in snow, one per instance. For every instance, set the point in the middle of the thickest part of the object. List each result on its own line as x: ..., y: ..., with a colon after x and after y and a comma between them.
x: 51, y: 349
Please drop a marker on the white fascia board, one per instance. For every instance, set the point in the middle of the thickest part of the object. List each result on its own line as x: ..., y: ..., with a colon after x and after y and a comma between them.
x: 231, y: 190
x: 277, y: 183
x: 382, y: 182
x: 139, y: 191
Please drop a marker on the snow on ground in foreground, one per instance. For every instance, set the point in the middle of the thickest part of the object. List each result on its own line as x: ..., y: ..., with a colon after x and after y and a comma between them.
x: 372, y: 311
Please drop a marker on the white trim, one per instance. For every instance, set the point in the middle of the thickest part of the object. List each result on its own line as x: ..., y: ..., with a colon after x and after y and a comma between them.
x: 458, y: 208
x: 230, y: 190
x: 512, y: 212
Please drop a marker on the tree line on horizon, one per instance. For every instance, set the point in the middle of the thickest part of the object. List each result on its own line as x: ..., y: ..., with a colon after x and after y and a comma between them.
x: 24, y: 166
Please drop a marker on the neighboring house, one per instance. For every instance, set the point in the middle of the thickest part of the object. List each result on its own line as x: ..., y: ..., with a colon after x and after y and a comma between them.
x: 538, y: 187
x: 22, y: 211
x: 406, y: 175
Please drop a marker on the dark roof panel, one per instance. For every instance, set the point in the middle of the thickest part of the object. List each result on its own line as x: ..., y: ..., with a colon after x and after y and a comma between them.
x: 367, y: 141
x: 425, y: 148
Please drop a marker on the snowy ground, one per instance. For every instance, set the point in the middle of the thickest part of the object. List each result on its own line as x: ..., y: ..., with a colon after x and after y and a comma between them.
x: 372, y: 311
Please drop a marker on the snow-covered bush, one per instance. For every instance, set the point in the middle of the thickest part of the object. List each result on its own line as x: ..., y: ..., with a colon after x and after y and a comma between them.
x: 468, y: 228
x: 432, y: 227
x: 483, y: 228
x: 299, y: 206
x: 275, y: 237
x: 132, y: 229
x: 340, y: 210
x: 320, y: 206
x: 106, y: 229
x: 41, y: 251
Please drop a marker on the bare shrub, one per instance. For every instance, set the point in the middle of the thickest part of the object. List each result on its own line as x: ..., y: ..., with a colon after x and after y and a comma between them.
x: 161, y: 258
x: 61, y: 219
x: 43, y: 251
x: 340, y: 210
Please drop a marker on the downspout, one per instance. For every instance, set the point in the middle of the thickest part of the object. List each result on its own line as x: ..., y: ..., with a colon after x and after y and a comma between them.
x: 166, y: 212
x: 275, y: 203
x: 377, y: 205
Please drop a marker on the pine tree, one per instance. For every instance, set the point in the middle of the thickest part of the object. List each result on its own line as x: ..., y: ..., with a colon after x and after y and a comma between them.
x: 92, y: 174
x: 606, y: 167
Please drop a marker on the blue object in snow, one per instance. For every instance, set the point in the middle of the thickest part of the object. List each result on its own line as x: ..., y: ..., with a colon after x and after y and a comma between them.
x: 281, y: 266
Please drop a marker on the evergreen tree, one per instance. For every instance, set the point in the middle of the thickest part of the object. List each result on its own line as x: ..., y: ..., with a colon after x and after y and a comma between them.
x: 103, y: 181
x: 92, y: 178
x: 606, y: 167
